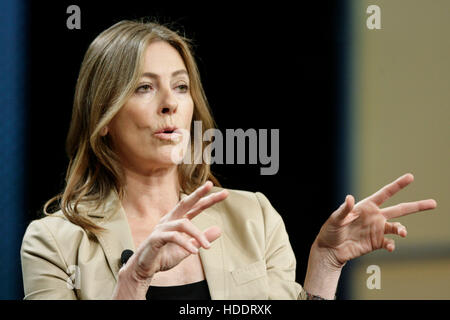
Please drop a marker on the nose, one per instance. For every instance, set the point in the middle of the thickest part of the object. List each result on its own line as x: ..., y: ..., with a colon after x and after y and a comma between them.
x: 168, y: 103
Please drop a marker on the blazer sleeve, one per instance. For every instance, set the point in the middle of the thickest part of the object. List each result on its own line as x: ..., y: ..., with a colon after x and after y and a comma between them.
x: 280, y: 258
x: 43, y: 268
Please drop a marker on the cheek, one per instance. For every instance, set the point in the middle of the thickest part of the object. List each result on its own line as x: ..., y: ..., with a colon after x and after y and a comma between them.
x: 188, y: 112
x: 134, y: 118
x: 129, y: 127
x: 140, y: 117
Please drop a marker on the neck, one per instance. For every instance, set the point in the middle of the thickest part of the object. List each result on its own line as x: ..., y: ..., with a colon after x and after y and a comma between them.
x: 151, y: 195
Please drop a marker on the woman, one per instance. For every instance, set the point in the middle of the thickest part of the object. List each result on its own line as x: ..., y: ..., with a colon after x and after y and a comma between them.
x: 137, y: 94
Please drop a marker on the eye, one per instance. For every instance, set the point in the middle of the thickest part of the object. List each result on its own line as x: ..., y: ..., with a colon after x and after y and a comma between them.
x: 144, y: 88
x: 183, y: 87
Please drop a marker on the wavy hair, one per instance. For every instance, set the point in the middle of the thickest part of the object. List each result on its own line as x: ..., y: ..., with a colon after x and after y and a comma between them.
x: 108, y: 76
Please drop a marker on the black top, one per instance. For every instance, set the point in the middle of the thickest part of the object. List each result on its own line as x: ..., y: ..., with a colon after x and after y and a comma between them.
x: 191, y: 291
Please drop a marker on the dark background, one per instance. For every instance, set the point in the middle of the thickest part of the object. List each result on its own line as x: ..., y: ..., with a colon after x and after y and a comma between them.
x: 262, y: 66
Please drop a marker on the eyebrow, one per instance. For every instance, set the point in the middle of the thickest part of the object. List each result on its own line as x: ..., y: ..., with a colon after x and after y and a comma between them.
x: 154, y: 75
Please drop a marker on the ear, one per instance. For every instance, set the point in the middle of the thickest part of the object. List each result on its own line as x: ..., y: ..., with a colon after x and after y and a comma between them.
x: 104, y: 131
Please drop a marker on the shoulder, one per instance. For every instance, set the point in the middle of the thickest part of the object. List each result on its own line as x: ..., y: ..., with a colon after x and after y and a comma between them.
x: 52, y: 232
x: 57, y: 226
x: 54, y: 223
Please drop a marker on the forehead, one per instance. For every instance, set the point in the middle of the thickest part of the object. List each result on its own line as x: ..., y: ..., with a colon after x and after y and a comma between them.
x: 161, y: 58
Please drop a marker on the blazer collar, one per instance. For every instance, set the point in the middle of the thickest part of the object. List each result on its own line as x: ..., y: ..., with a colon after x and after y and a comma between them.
x: 117, y: 237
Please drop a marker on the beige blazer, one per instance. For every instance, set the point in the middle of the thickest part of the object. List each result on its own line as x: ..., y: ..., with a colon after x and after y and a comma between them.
x: 252, y: 259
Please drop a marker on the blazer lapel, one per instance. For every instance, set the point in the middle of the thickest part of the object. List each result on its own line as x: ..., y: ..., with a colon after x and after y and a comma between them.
x: 117, y: 237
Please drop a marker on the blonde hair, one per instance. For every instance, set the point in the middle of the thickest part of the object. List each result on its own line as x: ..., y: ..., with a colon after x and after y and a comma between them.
x: 108, y: 76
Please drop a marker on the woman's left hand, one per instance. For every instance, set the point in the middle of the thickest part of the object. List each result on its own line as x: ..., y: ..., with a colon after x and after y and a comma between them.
x: 354, y: 230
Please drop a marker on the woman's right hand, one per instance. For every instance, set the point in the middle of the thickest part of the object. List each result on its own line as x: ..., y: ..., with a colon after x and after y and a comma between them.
x: 173, y: 239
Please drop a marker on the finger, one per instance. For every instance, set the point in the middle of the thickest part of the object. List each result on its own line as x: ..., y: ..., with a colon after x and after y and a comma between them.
x: 346, y: 207
x: 212, y: 234
x: 185, y: 225
x: 206, y: 202
x: 177, y: 238
x: 187, y: 203
x: 389, y: 244
x: 395, y: 228
x: 389, y: 190
x: 403, y: 209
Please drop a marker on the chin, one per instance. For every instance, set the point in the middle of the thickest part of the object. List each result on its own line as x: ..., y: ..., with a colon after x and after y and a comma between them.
x: 171, y: 156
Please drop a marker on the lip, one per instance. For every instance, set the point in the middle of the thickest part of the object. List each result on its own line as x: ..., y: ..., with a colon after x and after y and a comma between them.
x: 174, y: 135
x: 166, y: 128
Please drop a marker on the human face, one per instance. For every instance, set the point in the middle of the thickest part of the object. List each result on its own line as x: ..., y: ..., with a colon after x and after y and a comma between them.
x: 161, y: 99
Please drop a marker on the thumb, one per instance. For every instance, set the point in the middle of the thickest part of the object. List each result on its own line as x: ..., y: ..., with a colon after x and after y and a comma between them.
x: 346, y: 207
